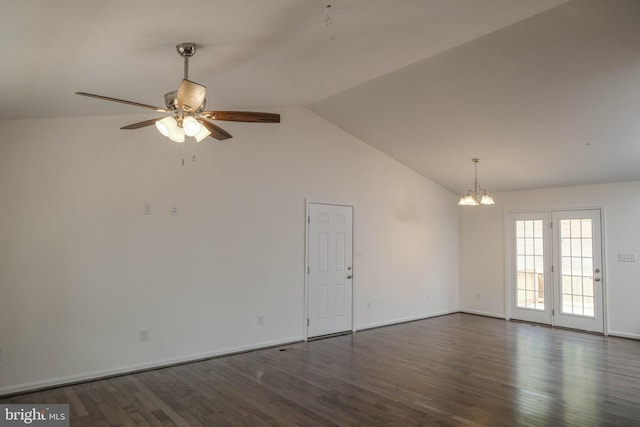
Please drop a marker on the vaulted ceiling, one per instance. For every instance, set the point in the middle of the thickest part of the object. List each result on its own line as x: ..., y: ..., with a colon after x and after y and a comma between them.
x: 544, y: 92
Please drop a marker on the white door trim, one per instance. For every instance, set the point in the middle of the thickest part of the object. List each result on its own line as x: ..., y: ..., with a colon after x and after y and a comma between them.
x: 308, y: 202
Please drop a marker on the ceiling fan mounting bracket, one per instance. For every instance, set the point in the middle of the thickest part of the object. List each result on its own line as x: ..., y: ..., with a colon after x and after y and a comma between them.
x: 186, y: 50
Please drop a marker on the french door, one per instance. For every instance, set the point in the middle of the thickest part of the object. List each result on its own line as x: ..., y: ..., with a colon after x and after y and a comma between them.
x: 556, y: 269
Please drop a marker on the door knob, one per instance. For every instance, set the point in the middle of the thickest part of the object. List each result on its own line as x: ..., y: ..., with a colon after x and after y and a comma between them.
x: 597, y: 279
x: 597, y: 270
x: 349, y: 276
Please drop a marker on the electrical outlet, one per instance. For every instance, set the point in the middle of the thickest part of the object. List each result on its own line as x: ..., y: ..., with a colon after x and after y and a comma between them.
x: 428, y: 297
x: 260, y: 320
x: 478, y: 295
x: 173, y: 210
x: 146, y: 209
x: 368, y: 305
x: 144, y: 335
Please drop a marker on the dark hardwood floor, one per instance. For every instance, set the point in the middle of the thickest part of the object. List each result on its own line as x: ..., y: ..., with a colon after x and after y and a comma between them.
x: 453, y: 370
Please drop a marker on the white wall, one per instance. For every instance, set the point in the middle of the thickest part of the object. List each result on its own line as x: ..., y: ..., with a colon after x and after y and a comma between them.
x: 482, y: 266
x: 82, y: 270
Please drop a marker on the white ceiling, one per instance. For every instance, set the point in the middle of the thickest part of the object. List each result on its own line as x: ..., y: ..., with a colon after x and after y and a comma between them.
x: 549, y: 101
x: 523, y: 84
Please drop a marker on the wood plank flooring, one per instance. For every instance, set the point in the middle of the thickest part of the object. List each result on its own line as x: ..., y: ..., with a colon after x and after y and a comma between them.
x: 452, y: 370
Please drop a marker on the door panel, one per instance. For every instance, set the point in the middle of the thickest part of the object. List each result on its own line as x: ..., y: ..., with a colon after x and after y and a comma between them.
x: 578, y: 256
x: 531, y: 282
x: 330, y: 287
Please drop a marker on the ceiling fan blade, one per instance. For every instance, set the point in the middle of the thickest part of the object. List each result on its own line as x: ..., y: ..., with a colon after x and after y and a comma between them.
x: 190, y: 95
x: 122, y: 101
x: 242, y: 116
x: 216, y: 131
x: 142, y: 124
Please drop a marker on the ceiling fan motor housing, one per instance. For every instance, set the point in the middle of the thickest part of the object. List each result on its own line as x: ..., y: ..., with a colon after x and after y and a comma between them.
x: 171, y: 101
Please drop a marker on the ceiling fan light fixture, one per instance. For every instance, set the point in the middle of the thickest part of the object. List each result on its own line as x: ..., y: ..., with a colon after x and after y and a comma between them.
x: 164, y: 125
x: 177, y: 135
x: 169, y: 128
x: 191, y: 126
x: 204, y: 132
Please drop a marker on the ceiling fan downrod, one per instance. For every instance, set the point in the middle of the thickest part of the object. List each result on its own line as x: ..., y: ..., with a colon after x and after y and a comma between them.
x: 186, y: 50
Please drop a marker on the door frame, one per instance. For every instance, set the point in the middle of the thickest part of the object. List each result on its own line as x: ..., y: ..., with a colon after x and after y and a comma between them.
x: 308, y: 202
x: 509, y: 239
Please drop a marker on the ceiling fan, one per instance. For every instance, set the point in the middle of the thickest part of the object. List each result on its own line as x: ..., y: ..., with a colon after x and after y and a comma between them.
x: 186, y: 109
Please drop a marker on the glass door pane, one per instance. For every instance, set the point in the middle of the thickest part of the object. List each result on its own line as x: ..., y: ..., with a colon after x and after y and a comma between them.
x: 577, y: 272
x: 530, y: 264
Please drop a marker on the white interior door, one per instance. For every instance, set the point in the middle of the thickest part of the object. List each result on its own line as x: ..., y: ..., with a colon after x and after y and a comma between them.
x: 578, y: 270
x: 556, y: 269
x: 330, y: 271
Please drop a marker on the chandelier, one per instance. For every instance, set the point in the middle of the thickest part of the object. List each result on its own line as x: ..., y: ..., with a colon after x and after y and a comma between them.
x: 477, y: 196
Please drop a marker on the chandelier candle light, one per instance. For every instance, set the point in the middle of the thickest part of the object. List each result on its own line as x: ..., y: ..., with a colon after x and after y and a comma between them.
x: 477, y: 196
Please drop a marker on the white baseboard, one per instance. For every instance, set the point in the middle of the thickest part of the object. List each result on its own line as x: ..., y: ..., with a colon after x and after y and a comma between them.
x: 404, y: 320
x: 56, y: 382
x: 624, y: 335
x: 483, y: 313
x: 21, y: 388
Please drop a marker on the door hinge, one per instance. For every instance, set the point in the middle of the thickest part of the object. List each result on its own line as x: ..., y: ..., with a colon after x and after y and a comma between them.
x: 309, y: 219
x: 307, y: 270
x: 553, y: 311
x: 551, y: 225
x: 552, y: 268
x: 307, y: 322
